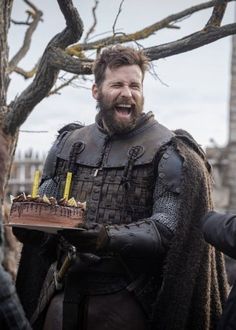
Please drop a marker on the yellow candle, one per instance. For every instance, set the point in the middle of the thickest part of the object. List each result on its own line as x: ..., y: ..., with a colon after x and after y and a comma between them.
x: 67, y: 185
x: 35, y: 184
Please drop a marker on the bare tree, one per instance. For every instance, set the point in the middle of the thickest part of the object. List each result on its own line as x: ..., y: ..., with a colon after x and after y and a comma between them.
x: 65, y: 52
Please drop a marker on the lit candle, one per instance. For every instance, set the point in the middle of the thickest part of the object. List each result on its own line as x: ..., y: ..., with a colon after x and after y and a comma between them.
x: 35, y: 184
x: 67, y: 185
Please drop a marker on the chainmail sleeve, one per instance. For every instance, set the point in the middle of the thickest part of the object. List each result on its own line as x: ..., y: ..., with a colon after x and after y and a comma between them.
x: 49, y: 188
x: 167, y: 198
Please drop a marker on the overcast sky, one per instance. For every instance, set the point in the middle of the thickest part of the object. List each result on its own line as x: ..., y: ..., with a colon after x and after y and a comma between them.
x: 192, y: 91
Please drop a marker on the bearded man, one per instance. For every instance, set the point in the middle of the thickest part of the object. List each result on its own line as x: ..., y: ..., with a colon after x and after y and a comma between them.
x: 141, y: 260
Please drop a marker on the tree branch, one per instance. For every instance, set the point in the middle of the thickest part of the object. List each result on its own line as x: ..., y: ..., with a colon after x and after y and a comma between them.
x: 60, y: 60
x: 47, y: 72
x: 19, y: 22
x: 73, y: 65
x: 30, y: 4
x: 36, y: 16
x: 66, y: 83
x: 183, y: 45
x: 217, y: 14
x: 78, y: 50
x: 5, y: 14
x: 190, y: 42
x: 92, y: 28
x: 26, y: 74
x: 141, y: 34
x: 116, y: 19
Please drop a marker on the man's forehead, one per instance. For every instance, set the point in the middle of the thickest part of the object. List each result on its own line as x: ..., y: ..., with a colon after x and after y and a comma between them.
x: 126, y: 71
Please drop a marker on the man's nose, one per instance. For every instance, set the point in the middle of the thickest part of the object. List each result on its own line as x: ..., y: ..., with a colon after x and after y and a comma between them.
x: 126, y: 91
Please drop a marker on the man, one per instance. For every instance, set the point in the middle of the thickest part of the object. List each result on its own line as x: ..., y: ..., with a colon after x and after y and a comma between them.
x: 220, y: 231
x: 142, y: 263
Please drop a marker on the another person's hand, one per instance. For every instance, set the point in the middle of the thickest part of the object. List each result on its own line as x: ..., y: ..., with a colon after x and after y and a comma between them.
x: 92, y: 238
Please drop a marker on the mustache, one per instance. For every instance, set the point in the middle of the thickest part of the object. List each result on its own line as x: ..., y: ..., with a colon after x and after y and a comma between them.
x: 107, y: 113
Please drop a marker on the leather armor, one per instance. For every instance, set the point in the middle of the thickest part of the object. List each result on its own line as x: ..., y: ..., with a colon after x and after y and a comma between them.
x: 130, y: 181
x: 115, y: 176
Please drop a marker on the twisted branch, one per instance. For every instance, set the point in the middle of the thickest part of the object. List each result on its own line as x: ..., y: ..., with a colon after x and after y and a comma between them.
x: 37, y: 17
x: 48, y: 69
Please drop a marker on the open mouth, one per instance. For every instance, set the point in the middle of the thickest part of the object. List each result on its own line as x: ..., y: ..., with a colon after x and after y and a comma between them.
x: 123, y: 110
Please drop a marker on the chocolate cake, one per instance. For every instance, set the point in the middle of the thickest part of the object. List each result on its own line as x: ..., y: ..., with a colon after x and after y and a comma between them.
x: 45, y: 213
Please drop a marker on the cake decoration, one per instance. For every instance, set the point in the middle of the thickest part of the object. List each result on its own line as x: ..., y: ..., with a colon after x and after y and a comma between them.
x: 45, y: 212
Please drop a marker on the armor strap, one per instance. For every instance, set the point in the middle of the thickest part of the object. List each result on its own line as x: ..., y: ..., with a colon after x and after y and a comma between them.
x: 72, y: 304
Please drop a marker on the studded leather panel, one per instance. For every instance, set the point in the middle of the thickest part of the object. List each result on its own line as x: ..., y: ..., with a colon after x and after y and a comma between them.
x: 109, y: 200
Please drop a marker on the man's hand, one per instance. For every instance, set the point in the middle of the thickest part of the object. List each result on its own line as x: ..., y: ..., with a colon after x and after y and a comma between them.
x: 92, y: 238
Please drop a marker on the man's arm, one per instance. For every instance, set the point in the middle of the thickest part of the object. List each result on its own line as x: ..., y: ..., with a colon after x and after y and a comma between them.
x: 220, y: 230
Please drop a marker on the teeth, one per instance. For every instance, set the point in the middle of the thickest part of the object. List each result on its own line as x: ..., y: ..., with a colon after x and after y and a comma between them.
x: 124, y: 105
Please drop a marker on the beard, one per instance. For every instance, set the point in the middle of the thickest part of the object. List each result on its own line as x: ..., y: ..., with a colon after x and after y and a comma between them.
x: 107, y: 113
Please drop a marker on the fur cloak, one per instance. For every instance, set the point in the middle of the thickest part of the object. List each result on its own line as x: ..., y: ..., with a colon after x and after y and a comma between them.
x: 194, y: 286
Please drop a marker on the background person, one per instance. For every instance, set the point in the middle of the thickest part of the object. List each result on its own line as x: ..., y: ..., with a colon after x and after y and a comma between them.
x: 220, y: 231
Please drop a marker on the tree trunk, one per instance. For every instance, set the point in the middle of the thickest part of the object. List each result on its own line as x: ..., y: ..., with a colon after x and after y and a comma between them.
x: 7, y: 143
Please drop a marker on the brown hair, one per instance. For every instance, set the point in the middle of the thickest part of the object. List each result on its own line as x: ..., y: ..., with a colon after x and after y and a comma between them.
x: 116, y: 56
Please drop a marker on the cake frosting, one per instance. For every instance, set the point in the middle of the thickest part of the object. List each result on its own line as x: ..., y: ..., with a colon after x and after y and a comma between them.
x: 44, y: 212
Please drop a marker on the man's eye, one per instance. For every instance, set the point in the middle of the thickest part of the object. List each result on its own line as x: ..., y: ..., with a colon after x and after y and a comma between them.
x: 136, y: 87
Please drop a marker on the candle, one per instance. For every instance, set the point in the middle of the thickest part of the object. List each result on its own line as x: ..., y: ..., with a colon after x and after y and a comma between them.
x: 67, y: 185
x: 35, y: 184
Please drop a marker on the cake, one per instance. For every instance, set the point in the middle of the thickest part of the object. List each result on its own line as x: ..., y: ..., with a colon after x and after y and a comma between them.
x: 45, y: 213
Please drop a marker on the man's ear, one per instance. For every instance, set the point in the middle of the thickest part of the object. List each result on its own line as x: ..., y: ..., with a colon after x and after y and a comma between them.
x: 95, y: 91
